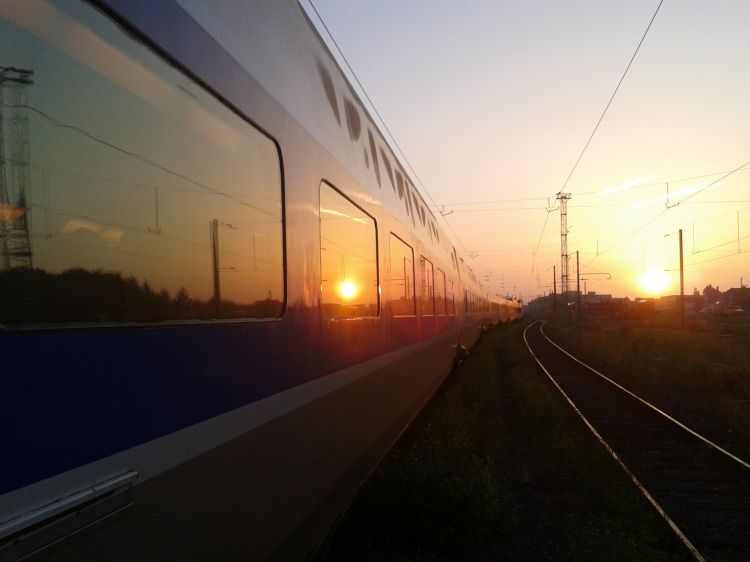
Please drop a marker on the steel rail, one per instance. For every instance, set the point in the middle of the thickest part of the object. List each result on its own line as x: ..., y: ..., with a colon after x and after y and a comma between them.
x: 694, y: 551
x: 654, y: 408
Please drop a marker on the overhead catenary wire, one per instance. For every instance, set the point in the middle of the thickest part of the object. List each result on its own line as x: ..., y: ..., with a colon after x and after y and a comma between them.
x: 715, y: 182
x: 499, y: 206
x: 593, y: 206
x: 544, y: 227
x: 387, y: 129
x: 137, y: 156
x: 593, y: 192
x: 660, y: 183
x: 601, y: 118
x: 716, y: 258
x: 612, y: 97
x: 492, y: 202
x: 364, y: 91
x: 628, y: 236
x: 662, y: 213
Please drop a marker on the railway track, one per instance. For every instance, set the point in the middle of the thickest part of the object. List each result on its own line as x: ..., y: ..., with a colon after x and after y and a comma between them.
x: 701, y: 490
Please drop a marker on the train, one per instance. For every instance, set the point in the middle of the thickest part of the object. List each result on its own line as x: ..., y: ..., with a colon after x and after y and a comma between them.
x: 222, y: 296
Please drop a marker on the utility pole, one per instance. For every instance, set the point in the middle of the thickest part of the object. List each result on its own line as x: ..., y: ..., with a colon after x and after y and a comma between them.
x: 554, y: 288
x: 578, y: 285
x: 214, y: 230
x: 682, y: 287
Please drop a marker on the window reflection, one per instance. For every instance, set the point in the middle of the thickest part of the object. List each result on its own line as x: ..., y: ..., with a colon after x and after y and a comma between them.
x: 428, y: 302
x: 440, y: 302
x: 402, y: 278
x: 450, y: 298
x: 348, y: 257
x: 143, y: 197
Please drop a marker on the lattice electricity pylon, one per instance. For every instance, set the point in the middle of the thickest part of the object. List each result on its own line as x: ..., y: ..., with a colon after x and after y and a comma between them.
x: 564, y: 279
x: 15, y: 245
x: 4, y: 199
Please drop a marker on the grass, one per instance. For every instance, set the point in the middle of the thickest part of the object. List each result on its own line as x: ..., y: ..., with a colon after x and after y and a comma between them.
x: 500, y: 468
x: 700, y: 377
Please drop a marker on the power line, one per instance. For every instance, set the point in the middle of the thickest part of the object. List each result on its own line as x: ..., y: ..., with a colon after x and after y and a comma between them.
x: 714, y: 182
x: 139, y: 157
x: 492, y: 202
x: 628, y: 237
x: 716, y: 258
x: 664, y: 211
x: 599, y: 191
x: 592, y: 192
x: 385, y: 125
x: 544, y: 227
x: 499, y: 209
x: 372, y: 104
x: 612, y: 97
x: 133, y: 184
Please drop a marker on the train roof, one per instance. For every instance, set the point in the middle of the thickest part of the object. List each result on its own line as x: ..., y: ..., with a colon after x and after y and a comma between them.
x: 285, y: 53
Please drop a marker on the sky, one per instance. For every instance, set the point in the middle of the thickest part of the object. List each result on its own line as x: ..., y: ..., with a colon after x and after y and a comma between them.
x: 492, y: 103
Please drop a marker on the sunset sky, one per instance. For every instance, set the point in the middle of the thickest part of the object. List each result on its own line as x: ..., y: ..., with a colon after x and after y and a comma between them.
x: 493, y: 102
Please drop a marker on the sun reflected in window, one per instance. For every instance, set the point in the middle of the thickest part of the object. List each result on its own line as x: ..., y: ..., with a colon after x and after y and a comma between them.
x: 347, y: 289
x: 348, y: 256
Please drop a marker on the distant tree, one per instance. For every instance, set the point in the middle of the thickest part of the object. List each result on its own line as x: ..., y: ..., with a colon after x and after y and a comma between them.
x: 182, y: 303
x: 695, y: 292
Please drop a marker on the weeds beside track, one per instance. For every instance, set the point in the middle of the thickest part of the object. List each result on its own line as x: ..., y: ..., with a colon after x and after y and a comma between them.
x: 499, y: 468
x: 702, y: 491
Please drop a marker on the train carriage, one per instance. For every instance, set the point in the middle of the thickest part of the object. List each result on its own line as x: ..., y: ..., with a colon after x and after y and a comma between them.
x: 222, y: 297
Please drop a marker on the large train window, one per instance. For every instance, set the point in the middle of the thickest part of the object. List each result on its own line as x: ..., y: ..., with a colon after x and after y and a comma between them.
x: 440, y: 302
x: 428, y: 286
x: 348, y: 258
x: 127, y: 192
x: 402, y: 278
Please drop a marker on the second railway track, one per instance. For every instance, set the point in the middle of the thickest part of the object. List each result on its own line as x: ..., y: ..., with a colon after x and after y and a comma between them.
x: 702, y: 491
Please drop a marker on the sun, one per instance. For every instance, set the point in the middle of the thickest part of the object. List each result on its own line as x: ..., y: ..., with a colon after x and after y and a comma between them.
x: 654, y: 280
x: 347, y: 289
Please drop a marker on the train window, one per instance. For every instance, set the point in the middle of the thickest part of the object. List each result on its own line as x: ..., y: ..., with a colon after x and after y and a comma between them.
x: 450, y: 298
x: 428, y: 286
x: 348, y: 258
x: 471, y: 303
x: 402, y: 278
x: 132, y: 194
x: 440, y: 302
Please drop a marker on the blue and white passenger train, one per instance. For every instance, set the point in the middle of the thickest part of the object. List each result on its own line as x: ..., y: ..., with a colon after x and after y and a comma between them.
x: 222, y: 297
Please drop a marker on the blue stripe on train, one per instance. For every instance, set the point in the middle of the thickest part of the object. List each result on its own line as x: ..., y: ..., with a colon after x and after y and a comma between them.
x: 69, y: 398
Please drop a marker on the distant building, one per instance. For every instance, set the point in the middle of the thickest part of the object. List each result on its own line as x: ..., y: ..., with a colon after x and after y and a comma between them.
x: 592, y: 298
x: 604, y: 306
x: 736, y: 298
x: 693, y: 303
